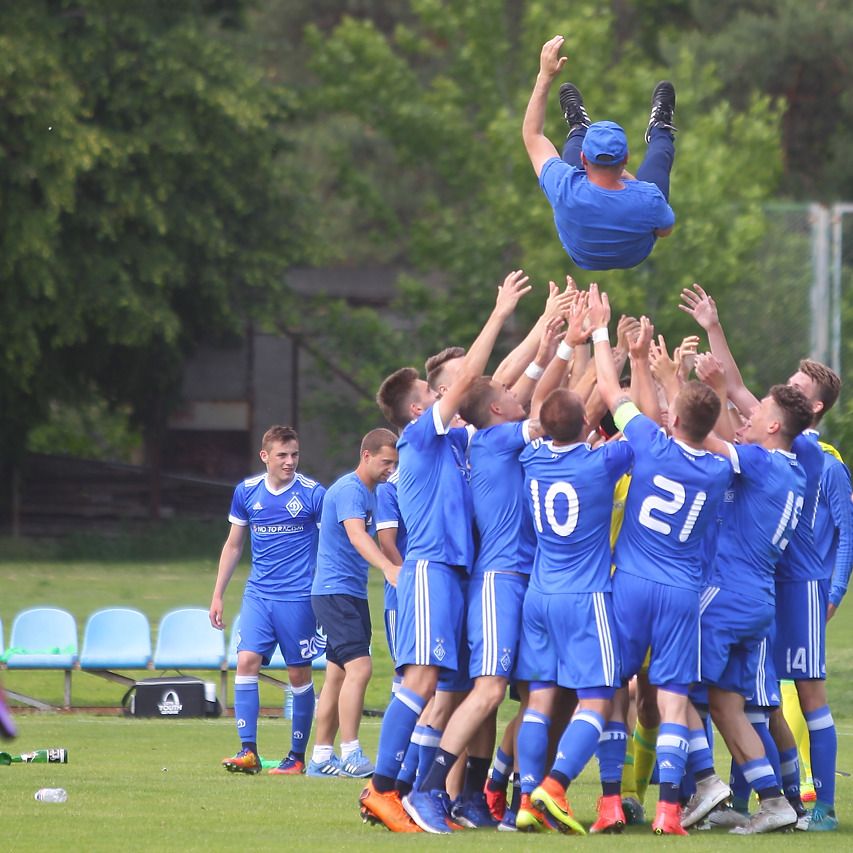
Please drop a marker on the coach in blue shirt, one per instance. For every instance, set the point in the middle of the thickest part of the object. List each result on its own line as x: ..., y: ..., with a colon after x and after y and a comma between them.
x: 606, y: 219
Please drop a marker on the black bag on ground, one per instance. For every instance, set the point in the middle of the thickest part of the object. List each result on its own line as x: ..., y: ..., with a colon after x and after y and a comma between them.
x: 179, y: 696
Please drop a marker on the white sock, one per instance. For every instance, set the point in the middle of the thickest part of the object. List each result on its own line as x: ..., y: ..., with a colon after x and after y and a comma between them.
x: 348, y: 748
x: 322, y: 753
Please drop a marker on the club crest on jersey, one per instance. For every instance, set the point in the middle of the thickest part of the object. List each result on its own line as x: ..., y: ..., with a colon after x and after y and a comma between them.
x: 438, y: 652
x: 294, y: 506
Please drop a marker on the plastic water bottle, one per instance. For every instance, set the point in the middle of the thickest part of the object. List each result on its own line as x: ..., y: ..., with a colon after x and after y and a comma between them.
x: 51, y: 795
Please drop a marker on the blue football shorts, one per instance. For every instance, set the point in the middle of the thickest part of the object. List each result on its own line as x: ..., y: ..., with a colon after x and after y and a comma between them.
x: 800, y: 644
x: 266, y: 623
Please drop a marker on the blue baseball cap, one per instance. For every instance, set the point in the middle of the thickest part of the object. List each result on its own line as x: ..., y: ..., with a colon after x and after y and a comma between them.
x: 605, y: 143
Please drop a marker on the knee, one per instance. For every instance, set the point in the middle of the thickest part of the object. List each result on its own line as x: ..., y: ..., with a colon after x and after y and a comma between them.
x: 299, y: 676
x: 490, y: 692
x: 248, y: 663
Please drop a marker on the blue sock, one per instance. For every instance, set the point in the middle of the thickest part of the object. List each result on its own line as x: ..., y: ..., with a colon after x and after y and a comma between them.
x: 578, y: 743
x: 427, y: 748
x: 303, y: 716
x: 699, y: 758
x: 672, y: 751
x: 399, y: 722
x: 789, y: 766
x: 740, y: 788
x: 500, y: 771
x: 824, y: 751
x: 760, y: 775
x: 247, y: 705
x: 532, y: 749
x: 409, y: 767
x: 761, y: 723
x: 612, y: 746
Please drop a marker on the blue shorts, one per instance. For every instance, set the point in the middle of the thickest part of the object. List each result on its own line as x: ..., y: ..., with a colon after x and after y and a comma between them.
x: 800, y: 644
x: 662, y: 618
x: 346, y: 621
x: 733, y: 630
x: 567, y: 638
x: 391, y: 632
x: 266, y: 623
x: 430, y: 610
x: 493, y: 624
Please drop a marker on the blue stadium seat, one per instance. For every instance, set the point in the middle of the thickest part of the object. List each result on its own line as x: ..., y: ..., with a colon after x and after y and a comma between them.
x: 43, y: 638
x: 46, y: 637
x: 187, y: 640
x: 116, y: 638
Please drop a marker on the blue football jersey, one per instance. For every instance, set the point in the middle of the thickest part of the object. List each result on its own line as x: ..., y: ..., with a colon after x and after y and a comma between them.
x: 283, y: 527
x: 673, y: 498
x: 434, y: 493
x: 504, y: 523
x: 760, y: 512
x: 801, y: 561
x: 388, y: 516
x: 570, y: 493
x: 340, y: 568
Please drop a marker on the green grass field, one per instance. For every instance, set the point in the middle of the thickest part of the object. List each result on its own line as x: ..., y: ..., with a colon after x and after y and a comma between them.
x: 152, y: 784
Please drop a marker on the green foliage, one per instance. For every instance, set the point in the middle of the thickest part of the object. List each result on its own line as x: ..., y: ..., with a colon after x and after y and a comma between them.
x: 142, y: 199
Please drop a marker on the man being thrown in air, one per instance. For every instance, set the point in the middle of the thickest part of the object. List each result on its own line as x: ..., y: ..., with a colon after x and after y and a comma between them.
x: 606, y: 219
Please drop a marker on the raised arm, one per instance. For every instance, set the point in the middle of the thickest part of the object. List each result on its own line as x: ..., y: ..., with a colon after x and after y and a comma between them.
x: 539, y: 147
x: 608, y: 378
x: 527, y: 382
x: 643, y: 390
x: 702, y: 308
x: 474, y: 363
x: 558, y: 303
x: 664, y: 369
x: 709, y: 370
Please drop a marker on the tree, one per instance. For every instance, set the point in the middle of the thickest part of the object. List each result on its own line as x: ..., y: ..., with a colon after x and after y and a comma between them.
x: 144, y: 200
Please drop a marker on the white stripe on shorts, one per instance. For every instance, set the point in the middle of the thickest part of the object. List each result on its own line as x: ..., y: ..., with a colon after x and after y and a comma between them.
x: 489, y: 616
x: 605, y: 640
x: 422, y: 638
x: 814, y: 629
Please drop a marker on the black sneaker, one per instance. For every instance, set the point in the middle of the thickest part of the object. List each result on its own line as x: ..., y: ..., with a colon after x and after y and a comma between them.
x: 663, y: 108
x: 571, y: 103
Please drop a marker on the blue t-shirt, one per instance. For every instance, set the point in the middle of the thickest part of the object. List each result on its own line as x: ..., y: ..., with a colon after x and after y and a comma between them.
x: 760, y: 512
x: 434, y: 493
x: 603, y: 229
x: 283, y: 527
x: 388, y: 516
x: 507, y: 539
x: 801, y: 561
x: 340, y: 568
x: 570, y: 493
x: 673, y: 498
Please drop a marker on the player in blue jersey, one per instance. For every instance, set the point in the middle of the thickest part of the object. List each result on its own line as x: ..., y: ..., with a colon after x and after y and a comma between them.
x: 568, y: 638
x: 760, y: 516
x: 802, y: 584
x: 675, y: 490
x: 339, y: 597
x: 280, y: 510
x: 435, y: 502
x: 605, y: 218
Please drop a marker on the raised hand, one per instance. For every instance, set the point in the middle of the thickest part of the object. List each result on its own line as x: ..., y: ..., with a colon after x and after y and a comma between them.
x: 548, y: 341
x: 559, y: 302
x: 626, y: 329
x: 599, y: 307
x: 577, y: 332
x: 550, y: 61
x: 513, y: 288
x: 709, y: 369
x: 638, y: 346
x: 685, y: 355
x: 663, y: 367
x: 700, y: 306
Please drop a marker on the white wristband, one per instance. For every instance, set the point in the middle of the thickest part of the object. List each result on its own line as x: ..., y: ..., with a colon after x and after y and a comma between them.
x: 564, y: 351
x: 600, y: 334
x: 533, y: 370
